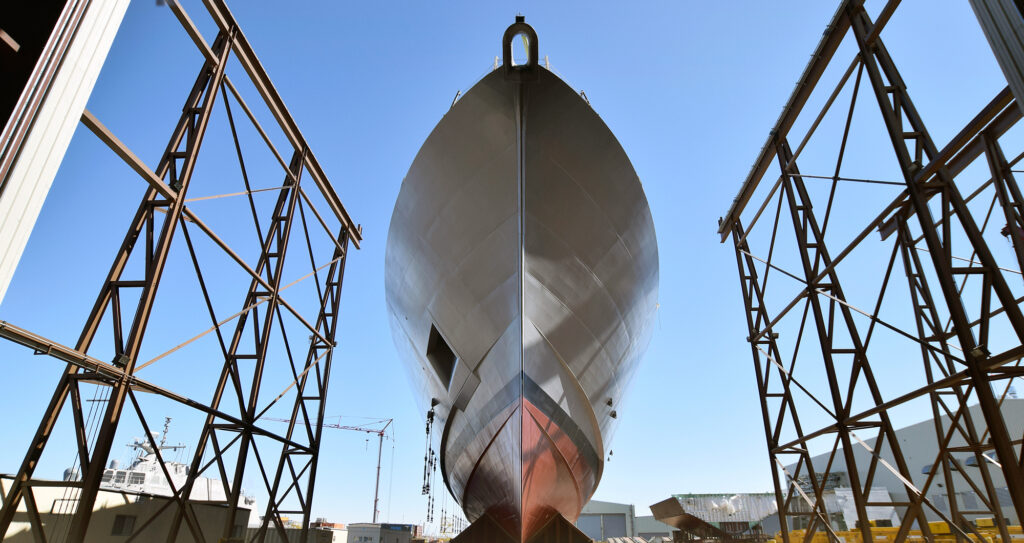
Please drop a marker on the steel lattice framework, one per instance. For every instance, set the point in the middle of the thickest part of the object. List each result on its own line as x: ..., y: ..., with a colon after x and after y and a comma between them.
x: 228, y: 440
x: 948, y: 284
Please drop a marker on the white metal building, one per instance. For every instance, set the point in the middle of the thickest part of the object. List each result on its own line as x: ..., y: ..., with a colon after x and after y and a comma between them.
x: 919, y: 445
x: 603, y: 521
x: 117, y: 515
x: 61, y: 65
x: 366, y: 532
x: 648, y: 528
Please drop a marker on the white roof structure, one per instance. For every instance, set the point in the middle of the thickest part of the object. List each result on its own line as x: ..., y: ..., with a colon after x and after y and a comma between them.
x: 729, y: 507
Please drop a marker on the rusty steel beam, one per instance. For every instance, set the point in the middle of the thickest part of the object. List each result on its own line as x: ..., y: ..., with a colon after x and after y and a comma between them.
x: 198, y: 116
x: 953, y: 342
x: 887, y: 84
x: 312, y: 426
x: 834, y: 34
x: 126, y: 154
x: 814, y: 252
x: 258, y: 75
x: 105, y: 373
x: 927, y: 321
x: 161, y: 218
x: 141, y: 226
x: 836, y: 30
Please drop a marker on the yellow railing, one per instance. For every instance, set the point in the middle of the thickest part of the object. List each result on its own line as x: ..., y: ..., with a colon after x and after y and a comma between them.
x: 940, y: 534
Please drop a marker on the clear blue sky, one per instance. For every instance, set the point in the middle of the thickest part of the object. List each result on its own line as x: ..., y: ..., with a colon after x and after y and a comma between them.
x: 689, y: 88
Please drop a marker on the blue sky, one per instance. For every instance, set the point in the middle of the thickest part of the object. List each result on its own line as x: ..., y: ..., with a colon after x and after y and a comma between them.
x: 689, y: 88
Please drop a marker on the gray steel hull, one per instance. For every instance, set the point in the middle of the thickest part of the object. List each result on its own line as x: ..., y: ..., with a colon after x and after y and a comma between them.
x: 522, y: 241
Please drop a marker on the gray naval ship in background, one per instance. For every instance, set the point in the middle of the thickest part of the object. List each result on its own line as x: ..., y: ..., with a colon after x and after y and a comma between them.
x: 521, y: 285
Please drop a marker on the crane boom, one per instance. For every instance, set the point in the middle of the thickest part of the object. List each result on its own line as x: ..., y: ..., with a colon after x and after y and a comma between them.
x: 379, y: 432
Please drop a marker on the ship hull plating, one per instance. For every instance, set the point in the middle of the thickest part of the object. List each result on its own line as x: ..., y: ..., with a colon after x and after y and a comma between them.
x: 521, y: 281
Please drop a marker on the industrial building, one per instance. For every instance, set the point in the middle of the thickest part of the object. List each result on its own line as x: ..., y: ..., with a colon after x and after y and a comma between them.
x: 650, y: 528
x: 119, y: 514
x: 601, y: 521
x: 50, y: 68
x: 116, y: 513
x: 369, y: 532
x: 328, y: 532
x: 919, y: 446
x: 754, y: 517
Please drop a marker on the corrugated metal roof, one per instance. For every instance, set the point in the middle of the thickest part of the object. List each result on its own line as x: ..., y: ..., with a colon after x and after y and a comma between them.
x: 728, y: 507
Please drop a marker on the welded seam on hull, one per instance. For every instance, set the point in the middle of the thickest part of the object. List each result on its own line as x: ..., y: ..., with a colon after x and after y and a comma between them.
x: 632, y: 337
x: 629, y: 353
x: 593, y: 274
x: 421, y: 235
x: 593, y: 416
x: 615, y: 229
x: 604, y: 213
x: 443, y: 447
x: 520, y: 97
x: 560, y: 455
x: 469, y: 480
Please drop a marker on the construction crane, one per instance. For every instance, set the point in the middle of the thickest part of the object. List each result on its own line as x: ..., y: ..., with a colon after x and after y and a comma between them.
x: 380, y: 445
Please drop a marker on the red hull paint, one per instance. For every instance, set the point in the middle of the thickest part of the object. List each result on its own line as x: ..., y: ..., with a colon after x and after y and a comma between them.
x: 555, y: 479
x: 550, y: 484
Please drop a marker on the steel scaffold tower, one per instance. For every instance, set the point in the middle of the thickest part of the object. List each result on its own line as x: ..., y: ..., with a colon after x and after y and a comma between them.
x: 126, y: 301
x: 821, y: 354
